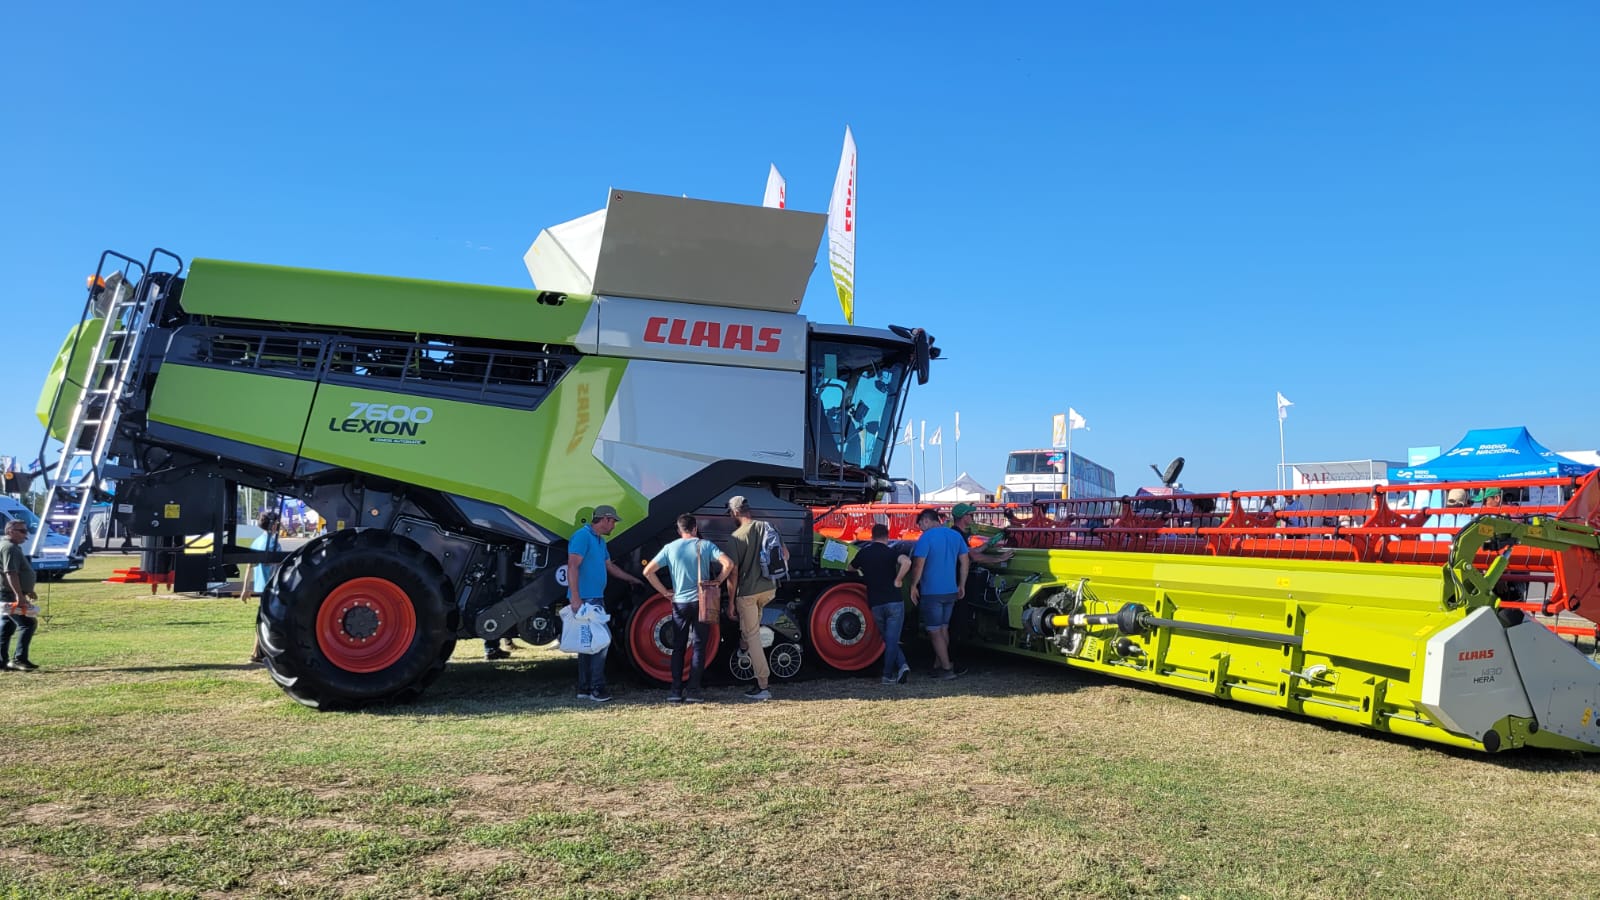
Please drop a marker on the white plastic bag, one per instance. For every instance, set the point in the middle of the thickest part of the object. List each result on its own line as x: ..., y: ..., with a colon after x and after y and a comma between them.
x: 584, y: 631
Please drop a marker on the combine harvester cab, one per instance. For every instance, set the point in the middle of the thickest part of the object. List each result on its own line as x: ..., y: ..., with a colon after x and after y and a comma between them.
x: 453, y: 436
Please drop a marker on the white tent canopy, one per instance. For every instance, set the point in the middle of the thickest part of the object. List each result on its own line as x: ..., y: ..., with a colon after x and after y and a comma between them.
x: 964, y: 487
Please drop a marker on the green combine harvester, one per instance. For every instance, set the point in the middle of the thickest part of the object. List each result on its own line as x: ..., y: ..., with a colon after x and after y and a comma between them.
x: 453, y: 436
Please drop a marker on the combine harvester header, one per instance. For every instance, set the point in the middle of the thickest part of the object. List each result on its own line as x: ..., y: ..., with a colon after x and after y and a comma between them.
x: 1328, y: 623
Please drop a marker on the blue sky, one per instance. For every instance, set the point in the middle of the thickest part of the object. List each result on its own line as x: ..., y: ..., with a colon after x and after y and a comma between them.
x: 1159, y: 213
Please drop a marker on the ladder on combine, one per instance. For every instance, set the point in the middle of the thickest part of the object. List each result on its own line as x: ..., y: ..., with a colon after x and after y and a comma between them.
x: 99, y: 368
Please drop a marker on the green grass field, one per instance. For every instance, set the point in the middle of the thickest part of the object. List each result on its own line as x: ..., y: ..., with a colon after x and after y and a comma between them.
x: 145, y: 758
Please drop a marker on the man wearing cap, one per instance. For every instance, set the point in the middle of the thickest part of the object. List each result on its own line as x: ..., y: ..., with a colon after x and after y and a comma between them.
x: 961, y: 521
x: 588, y: 562
x: 939, y: 566
x: 755, y: 590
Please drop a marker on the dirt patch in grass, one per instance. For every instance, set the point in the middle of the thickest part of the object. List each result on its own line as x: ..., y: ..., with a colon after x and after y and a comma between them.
x: 58, y: 814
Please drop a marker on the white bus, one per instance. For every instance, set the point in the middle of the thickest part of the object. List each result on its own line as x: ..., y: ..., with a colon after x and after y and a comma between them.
x: 1042, y: 475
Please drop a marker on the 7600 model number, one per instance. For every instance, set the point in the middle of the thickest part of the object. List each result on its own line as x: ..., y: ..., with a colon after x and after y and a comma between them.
x: 385, y: 412
x: 390, y: 419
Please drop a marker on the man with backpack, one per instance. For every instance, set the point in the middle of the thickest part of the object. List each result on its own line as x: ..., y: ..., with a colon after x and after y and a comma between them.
x: 758, y: 553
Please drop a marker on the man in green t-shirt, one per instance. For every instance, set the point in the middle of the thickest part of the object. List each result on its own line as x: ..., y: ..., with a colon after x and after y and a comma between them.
x: 18, y: 602
x: 755, y: 589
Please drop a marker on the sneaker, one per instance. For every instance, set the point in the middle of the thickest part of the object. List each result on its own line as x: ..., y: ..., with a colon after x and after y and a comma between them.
x: 674, y: 697
x: 946, y: 675
x: 693, y: 698
x: 583, y: 694
x: 496, y: 653
x: 758, y: 693
x: 959, y: 670
x: 905, y: 669
x: 21, y: 665
x: 601, y: 696
x: 887, y: 680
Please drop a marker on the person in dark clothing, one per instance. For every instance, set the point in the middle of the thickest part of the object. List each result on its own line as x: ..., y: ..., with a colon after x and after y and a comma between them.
x: 884, y: 568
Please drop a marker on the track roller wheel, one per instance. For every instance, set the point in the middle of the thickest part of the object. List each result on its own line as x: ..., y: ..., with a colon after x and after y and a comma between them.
x: 740, y: 666
x: 357, y: 617
x: 650, y: 639
x: 842, y: 629
x: 785, y: 660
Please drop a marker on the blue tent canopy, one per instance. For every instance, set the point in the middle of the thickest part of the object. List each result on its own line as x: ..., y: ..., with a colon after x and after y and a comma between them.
x: 1492, y: 454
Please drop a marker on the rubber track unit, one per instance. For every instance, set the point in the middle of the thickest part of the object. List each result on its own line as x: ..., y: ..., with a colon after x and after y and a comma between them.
x: 357, y: 617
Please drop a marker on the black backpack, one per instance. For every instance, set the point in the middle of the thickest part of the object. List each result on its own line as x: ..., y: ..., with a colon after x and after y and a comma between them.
x: 773, y: 566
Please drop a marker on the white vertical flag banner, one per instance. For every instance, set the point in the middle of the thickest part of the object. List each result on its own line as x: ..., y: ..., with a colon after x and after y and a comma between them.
x: 842, y: 229
x: 924, y: 433
x: 1283, y: 406
x: 934, y: 439
x: 777, y: 190
x: 1076, y: 420
x: 1058, y: 431
x: 958, y: 425
x: 911, y: 434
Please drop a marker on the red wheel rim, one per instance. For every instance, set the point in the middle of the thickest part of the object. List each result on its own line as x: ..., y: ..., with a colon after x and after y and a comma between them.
x: 366, y: 624
x: 649, y: 632
x: 842, y: 629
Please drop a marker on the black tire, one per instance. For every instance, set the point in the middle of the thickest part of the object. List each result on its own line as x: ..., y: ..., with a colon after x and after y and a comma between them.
x: 313, y: 668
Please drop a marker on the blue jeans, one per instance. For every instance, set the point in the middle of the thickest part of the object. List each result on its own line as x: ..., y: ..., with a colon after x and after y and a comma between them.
x: 592, y: 672
x: 686, y: 621
x: 23, y: 627
x: 891, y: 617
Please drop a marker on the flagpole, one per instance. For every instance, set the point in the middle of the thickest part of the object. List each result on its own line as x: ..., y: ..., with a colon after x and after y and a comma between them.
x: 1281, y: 458
x: 1070, y: 429
x: 913, y: 455
x: 922, y: 445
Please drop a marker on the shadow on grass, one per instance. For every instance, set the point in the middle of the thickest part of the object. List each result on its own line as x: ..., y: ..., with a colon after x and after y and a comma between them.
x: 535, y: 686
x: 240, y: 666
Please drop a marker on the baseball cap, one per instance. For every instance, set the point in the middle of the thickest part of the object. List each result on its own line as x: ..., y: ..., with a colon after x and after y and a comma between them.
x: 605, y: 512
x: 962, y: 509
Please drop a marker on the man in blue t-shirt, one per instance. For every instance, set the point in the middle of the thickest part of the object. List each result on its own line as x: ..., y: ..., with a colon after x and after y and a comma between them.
x: 939, y: 566
x: 689, y: 559
x: 588, y: 562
